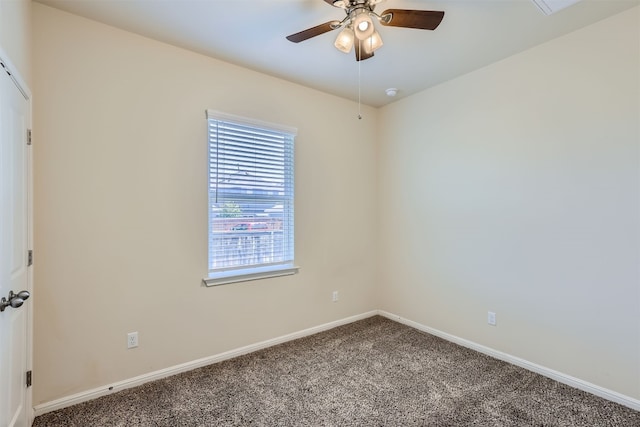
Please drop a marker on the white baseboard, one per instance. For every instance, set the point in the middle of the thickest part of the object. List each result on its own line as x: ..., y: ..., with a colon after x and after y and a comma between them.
x: 184, y: 367
x: 550, y: 373
x: 152, y: 376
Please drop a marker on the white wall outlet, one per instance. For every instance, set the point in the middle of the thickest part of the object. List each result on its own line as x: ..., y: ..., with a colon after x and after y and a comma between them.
x: 132, y: 339
x: 491, y: 318
x: 334, y: 296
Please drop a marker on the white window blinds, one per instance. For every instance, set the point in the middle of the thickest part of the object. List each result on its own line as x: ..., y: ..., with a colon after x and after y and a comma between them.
x: 250, y: 195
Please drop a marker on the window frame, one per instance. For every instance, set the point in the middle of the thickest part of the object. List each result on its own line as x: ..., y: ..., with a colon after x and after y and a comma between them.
x: 230, y: 275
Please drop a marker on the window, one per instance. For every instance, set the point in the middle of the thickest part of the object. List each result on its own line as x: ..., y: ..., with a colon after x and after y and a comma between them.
x: 250, y: 199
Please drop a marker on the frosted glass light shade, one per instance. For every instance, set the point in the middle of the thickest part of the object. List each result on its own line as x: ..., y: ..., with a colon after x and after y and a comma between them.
x: 344, y: 41
x: 373, y: 43
x: 363, y: 26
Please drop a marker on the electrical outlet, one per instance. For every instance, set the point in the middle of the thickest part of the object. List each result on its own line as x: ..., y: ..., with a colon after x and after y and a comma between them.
x: 334, y: 296
x: 491, y: 318
x: 132, y: 339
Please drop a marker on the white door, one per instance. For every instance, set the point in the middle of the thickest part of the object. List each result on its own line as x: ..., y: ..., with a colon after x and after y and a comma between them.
x: 15, y: 322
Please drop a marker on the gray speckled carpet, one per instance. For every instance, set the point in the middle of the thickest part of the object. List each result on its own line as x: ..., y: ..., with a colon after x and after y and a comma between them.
x: 373, y: 372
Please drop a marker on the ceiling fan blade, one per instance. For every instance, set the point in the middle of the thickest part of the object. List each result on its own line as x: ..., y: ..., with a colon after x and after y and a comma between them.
x: 420, y: 19
x: 337, y: 3
x: 361, y: 54
x: 312, y: 32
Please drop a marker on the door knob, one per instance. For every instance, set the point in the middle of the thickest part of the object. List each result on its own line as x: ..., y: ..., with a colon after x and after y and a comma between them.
x: 23, y: 295
x: 14, y: 300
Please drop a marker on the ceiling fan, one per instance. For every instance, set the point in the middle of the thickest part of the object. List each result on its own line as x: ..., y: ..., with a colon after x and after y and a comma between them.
x: 358, y: 28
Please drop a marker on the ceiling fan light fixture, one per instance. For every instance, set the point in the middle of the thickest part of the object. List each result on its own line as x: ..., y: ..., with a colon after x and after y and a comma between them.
x: 363, y: 25
x: 373, y: 43
x: 344, y: 41
x: 358, y: 27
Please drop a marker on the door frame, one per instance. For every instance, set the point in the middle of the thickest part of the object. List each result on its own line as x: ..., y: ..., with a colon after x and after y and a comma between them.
x: 20, y: 83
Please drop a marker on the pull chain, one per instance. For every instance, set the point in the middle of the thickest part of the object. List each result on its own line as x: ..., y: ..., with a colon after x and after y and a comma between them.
x: 359, y: 84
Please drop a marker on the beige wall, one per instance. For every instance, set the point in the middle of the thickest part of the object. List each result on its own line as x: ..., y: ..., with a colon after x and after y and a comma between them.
x: 15, y: 35
x: 516, y: 189
x: 121, y: 205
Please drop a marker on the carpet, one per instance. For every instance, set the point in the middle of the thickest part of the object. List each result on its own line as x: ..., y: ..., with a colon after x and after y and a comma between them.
x: 373, y: 372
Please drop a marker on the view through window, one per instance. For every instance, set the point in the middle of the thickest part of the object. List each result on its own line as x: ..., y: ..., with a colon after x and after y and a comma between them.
x: 250, y: 195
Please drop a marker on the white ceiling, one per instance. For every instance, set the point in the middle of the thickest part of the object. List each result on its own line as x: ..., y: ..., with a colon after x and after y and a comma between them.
x: 251, y: 33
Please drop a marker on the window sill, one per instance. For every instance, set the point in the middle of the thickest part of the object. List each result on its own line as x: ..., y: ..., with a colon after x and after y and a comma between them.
x: 227, y: 277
